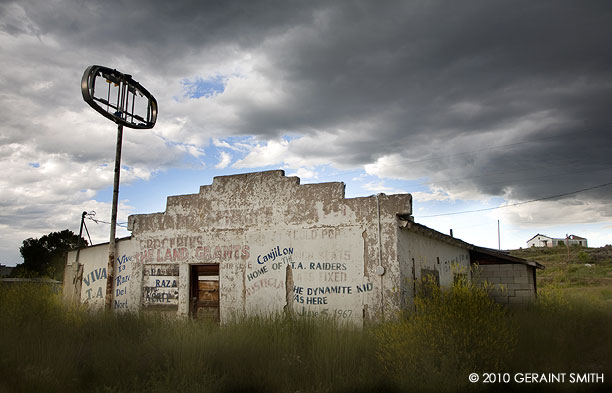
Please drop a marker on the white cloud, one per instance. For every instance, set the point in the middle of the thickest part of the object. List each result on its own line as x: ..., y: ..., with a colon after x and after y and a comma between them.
x: 302, y: 152
x: 270, y: 153
x: 599, y: 237
x: 436, y: 195
x: 224, y: 160
x: 380, y: 187
x: 393, y: 166
x: 236, y: 146
x: 304, y: 173
x: 544, y: 214
x: 219, y: 143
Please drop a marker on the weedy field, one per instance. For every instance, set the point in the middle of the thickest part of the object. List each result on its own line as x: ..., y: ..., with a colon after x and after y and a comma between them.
x: 45, y: 347
x: 579, y: 272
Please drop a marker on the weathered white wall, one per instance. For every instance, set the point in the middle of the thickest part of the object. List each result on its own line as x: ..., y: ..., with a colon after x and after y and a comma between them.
x: 279, y: 245
x: 418, y: 251
x: 93, y: 283
x: 127, y: 279
x: 126, y: 286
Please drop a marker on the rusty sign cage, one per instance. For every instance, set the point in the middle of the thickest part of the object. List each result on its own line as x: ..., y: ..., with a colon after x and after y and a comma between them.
x: 126, y: 102
x: 118, y: 97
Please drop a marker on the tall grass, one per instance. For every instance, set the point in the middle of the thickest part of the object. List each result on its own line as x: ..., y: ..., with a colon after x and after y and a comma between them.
x: 45, y: 347
x: 564, y: 332
x: 453, y: 332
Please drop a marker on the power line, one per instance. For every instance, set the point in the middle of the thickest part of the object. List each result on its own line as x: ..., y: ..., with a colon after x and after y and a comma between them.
x: 518, y: 203
x: 120, y: 224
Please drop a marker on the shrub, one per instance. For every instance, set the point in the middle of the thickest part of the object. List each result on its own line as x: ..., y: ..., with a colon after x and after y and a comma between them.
x: 584, y: 257
x: 452, y: 332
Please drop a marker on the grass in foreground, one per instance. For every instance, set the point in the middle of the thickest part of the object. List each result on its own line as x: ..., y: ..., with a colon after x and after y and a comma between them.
x: 46, y: 348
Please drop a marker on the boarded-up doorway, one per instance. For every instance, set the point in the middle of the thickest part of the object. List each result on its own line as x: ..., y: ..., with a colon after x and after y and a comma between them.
x: 205, y: 292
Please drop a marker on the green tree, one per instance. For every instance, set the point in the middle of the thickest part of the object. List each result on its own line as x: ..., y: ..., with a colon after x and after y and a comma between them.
x: 46, y: 257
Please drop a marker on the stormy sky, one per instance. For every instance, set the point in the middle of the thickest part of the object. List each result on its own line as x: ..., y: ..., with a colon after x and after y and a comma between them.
x: 481, y: 102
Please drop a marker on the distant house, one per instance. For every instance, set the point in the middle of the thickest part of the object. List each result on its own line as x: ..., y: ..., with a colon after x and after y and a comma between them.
x: 540, y: 240
x: 577, y: 240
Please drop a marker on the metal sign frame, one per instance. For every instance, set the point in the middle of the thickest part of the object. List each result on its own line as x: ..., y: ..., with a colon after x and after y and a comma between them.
x: 121, y: 110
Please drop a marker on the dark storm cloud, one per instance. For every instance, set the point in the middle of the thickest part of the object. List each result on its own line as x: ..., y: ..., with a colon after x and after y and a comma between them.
x: 164, y: 33
x: 422, y: 80
x: 416, y: 79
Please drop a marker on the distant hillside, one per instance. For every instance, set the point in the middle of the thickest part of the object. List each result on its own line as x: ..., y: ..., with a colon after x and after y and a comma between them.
x: 586, y: 267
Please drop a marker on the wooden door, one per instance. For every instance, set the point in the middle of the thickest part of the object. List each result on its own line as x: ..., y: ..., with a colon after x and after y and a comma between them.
x: 205, y: 292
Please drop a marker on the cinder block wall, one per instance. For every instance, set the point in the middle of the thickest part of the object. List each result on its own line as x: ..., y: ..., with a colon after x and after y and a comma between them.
x: 512, y: 283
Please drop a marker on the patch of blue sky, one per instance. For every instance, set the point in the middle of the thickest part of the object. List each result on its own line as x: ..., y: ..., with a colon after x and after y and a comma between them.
x: 106, y: 194
x: 34, y: 164
x: 238, y: 139
x: 192, y: 159
x: 478, y: 227
x: 206, y: 88
x: 290, y: 137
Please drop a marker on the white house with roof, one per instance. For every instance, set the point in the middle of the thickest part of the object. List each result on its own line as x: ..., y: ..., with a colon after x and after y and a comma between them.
x: 540, y: 240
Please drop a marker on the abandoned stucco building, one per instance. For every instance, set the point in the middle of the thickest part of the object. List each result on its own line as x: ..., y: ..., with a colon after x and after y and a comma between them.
x: 262, y: 242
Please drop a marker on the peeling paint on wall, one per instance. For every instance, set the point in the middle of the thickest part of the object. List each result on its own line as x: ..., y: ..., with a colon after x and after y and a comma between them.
x: 279, y: 247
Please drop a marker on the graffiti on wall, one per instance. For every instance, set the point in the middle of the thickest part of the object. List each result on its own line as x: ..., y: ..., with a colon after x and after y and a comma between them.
x: 327, y: 291
x: 93, y: 284
x: 188, y: 248
x: 326, y: 267
x: 122, y: 280
x: 160, y: 285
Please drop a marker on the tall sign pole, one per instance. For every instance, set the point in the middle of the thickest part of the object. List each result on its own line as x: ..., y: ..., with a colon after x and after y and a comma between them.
x: 125, y: 102
x: 112, y: 247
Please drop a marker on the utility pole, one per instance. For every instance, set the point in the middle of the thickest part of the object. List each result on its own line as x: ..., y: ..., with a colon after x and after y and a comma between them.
x: 498, y: 238
x: 567, y: 245
x: 80, y: 237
